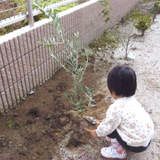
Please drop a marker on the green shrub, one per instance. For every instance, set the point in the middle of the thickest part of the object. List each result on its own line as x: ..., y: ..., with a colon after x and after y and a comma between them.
x: 143, y: 24
x: 156, y: 9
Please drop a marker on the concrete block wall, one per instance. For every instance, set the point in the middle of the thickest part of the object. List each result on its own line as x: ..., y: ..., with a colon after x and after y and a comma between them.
x: 25, y: 64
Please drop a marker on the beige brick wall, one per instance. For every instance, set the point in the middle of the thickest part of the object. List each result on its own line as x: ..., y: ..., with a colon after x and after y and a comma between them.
x: 25, y: 64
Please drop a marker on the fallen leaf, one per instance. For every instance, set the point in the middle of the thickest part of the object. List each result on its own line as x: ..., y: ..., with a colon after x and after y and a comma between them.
x: 37, y: 118
x: 57, y: 134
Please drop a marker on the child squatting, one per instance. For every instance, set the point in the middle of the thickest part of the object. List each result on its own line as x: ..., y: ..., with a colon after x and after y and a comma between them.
x: 127, y: 125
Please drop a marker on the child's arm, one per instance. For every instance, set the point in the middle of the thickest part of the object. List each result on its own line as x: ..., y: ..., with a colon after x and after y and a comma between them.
x: 109, y: 124
x: 100, y: 121
x: 94, y: 134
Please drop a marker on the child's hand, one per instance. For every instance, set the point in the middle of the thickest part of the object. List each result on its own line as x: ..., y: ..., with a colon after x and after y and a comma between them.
x: 94, y: 134
x: 100, y: 121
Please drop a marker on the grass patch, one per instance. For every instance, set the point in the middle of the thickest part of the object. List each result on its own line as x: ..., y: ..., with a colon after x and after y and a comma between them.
x: 18, y: 25
x: 136, y: 13
x: 108, y: 39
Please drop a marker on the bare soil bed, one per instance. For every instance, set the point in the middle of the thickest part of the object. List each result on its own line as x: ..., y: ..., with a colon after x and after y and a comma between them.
x: 43, y: 127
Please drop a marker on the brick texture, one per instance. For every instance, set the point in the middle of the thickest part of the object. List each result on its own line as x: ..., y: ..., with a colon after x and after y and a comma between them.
x: 25, y: 64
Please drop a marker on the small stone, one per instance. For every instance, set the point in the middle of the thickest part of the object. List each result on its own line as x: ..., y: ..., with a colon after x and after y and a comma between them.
x: 40, y: 152
x: 47, y: 117
x: 15, y: 114
x: 150, y: 111
x: 22, y: 152
x: 63, y: 121
x: 84, y: 157
x: 24, y: 99
x: 29, y: 121
x: 32, y: 92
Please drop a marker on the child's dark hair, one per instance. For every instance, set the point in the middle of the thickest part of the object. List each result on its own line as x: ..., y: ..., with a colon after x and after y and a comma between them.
x: 122, y: 81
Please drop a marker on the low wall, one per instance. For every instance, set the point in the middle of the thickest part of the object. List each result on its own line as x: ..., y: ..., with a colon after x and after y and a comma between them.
x: 25, y: 64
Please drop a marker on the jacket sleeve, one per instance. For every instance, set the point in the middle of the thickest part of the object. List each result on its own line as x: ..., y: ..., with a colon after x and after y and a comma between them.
x: 111, y: 122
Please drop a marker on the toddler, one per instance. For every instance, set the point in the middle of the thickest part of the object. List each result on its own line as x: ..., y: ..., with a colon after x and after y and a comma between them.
x: 127, y: 125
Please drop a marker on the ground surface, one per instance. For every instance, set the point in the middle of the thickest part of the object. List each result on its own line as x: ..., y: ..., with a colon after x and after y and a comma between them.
x: 43, y: 126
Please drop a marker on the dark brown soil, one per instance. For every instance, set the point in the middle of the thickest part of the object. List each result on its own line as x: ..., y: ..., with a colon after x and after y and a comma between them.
x: 43, y: 123
x: 35, y: 128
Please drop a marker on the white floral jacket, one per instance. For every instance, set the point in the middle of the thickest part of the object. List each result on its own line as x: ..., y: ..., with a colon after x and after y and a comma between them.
x: 128, y: 117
